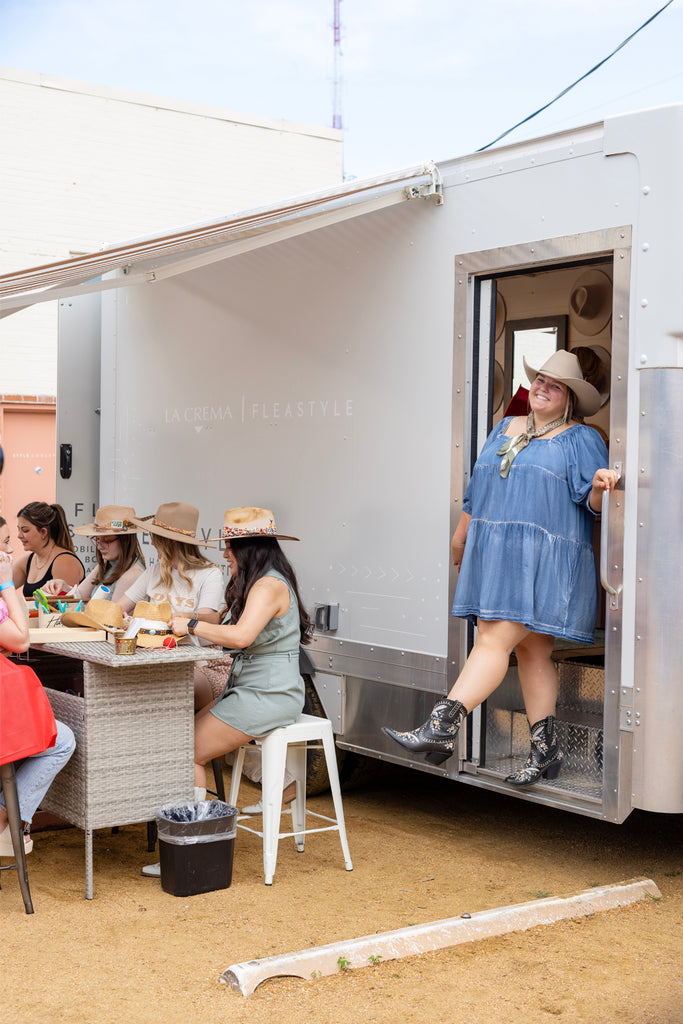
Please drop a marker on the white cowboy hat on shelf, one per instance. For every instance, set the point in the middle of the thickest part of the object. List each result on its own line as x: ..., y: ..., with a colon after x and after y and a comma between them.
x: 590, y: 302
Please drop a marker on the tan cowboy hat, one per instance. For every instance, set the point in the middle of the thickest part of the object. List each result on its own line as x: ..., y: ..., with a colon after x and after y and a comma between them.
x: 565, y: 367
x: 97, y: 614
x: 498, y: 385
x: 251, y: 522
x: 590, y: 302
x: 501, y: 315
x: 596, y: 366
x: 155, y: 625
x: 174, y: 520
x: 110, y: 520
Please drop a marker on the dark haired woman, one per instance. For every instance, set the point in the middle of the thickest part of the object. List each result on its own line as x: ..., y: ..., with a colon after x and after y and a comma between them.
x: 527, y: 570
x: 117, y: 550
x: 50, y: 554
x: 267, y: 622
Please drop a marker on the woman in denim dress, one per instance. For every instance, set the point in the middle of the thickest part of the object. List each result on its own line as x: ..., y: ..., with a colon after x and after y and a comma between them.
x: 527, y: 570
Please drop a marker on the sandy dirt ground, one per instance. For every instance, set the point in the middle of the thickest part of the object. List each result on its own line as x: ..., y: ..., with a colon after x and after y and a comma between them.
x: 423, y: 849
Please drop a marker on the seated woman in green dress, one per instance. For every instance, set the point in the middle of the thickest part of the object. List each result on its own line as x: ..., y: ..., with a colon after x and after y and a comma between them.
x: 264, y: 625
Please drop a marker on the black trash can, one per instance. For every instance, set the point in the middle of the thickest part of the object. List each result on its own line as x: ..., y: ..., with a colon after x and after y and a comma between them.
x: 196, y: 846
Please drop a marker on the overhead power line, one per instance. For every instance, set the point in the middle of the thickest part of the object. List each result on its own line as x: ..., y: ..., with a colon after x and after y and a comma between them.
x: 581, y: 79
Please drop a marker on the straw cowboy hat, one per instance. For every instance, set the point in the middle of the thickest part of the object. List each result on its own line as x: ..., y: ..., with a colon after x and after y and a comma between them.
x: 174, y: 520
x: 109, y: 520
x: 154, y: 625
x: 251, y: 522
x: 97, y: 614
x: 590, y: 302
x: 565, y: 367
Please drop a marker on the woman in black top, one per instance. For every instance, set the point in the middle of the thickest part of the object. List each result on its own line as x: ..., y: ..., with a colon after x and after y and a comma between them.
x: 49, y: 550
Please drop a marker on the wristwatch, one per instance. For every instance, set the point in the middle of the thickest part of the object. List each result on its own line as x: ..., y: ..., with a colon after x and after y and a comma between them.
x: 192, y: 625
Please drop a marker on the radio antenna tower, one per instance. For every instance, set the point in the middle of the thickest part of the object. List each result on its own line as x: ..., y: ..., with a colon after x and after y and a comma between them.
x: 337, y: 93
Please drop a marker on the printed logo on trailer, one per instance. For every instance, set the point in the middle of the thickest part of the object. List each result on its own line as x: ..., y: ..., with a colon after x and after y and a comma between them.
x: 248, y: 410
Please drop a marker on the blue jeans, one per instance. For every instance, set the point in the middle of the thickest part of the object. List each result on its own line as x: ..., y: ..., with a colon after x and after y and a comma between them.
x: 35, y: 774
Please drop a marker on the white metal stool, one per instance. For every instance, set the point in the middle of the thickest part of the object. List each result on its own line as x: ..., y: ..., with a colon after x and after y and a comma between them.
x: 286, y: 749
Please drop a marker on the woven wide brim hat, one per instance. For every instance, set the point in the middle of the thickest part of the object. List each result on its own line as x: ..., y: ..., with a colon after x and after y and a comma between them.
x: 97, y: 614
x: 110, y: 520
x: 565, y: 367
x: 251, y: 522
x: 174, y: 520
x: 156, y: 618
x: 590, y: 302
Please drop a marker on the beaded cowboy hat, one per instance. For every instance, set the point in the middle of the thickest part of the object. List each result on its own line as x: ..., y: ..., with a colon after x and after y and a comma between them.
x: 110, y: 520
x: 97, y: 614
x: 174, y: 520
x: 565, y: 367
x: 251, y: 522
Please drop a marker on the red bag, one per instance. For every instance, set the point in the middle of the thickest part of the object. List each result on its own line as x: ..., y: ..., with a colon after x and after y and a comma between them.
x: 27, y: 724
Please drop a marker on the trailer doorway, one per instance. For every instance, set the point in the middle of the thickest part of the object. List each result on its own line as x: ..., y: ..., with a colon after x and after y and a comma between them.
x: 509, y: 305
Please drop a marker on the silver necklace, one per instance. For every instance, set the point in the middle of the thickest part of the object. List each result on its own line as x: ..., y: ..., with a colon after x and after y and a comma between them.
x: 511, y: 448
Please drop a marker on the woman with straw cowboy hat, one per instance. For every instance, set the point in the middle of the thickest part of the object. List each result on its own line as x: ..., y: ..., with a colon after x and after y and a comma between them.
x: 527, y: 571
x: 264, y: 625
x: 183, y: 577
x: 117, y: 550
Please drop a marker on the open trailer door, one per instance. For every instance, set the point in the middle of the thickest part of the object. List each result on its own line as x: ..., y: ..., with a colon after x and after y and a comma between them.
x: 78, y: 414
x: 508, y: 302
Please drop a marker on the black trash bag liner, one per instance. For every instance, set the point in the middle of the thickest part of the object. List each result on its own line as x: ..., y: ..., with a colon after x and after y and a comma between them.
x: 203, y: 822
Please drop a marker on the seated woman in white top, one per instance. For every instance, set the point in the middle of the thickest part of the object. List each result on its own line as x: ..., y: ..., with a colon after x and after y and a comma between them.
x: 119, y: 556
x: 191, y: 584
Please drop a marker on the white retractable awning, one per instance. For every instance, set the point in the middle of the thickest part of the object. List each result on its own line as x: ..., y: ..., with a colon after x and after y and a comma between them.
x: 155, y: 257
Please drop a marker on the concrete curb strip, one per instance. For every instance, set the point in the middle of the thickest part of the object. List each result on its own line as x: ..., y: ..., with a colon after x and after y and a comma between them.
x: 424, y: 938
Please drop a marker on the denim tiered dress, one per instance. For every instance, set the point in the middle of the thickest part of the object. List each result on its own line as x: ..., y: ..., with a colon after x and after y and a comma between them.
x: 529, y: 556
x: 264, y: 690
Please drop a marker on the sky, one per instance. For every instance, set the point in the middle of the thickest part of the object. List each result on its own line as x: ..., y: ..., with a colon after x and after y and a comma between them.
x: 421, y: 79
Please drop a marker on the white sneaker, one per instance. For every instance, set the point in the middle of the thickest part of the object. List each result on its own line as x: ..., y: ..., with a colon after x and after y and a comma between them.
x: 152, y: 870
x: 6, y: 848
x: 287, y: 798
x: 253, y: 808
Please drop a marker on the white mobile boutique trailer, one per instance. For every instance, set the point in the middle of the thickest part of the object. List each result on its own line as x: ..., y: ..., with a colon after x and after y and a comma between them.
x: 341, y: 359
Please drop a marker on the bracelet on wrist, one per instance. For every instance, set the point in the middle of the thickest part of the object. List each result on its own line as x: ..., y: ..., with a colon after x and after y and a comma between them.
x: 4, y: 586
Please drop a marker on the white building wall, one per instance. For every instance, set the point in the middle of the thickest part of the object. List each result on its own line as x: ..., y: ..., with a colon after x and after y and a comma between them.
x: 83, y: 165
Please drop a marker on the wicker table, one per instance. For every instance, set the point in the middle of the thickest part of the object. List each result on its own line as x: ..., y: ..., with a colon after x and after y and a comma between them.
x: 132, y: 716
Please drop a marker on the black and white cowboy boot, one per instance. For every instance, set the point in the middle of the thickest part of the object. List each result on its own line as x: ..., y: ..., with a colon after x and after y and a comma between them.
x: 545, y: 757
x: 436, y: 737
